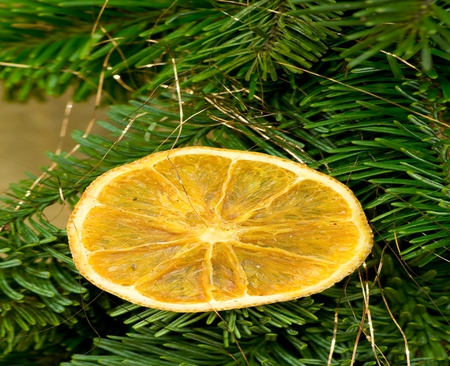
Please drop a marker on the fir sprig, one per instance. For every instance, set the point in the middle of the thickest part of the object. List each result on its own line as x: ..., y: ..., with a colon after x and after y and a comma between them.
x: 243, y: 40
x: 412, y: 26
x: 381, y: 128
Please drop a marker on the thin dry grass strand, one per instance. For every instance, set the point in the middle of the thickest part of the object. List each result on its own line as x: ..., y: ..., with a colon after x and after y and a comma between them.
x: 64, y: 124
x: 358, y: 336
x: 365, y: 314
x: 335, y: 327
x: 124, y: 59
x: 149, y: 38
x: 401, y: 60
x: 20, y: 66
x: 366, y: 296
x: 122, y: 135
x: 63, y: 131
x: 377, y: 279
x: 333, y: 339
x: 389, y: 54
x: 368, y: 93
x: 235, y: 115
x: 98, y: 95
x: 180, y: 99
x: 97, y: 21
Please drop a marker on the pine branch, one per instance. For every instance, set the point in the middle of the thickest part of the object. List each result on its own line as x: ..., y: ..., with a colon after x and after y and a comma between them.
x: 347, y: 158
x: 380, y: 128
x: 413, y: 26
x: 134, y: 49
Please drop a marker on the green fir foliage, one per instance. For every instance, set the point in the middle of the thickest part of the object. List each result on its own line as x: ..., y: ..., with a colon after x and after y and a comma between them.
x: 355, y: 89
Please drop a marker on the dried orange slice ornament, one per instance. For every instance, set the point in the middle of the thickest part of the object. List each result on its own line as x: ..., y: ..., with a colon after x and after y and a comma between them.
x: 198, y: 228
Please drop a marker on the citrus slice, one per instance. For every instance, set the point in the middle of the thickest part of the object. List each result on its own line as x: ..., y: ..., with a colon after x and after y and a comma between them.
x: 199, y: 228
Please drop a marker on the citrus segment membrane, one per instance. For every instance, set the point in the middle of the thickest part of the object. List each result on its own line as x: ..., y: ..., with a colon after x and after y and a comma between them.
x: 200, y: 178
x: 228, y: 278
x: 126, y: 230
x: 180, y: 279
x: 269, y: 271
x: 315, y: 239
x: 125, y: 268
x: 306, y: 200
x: 197, y: 229
x: 252, y: 185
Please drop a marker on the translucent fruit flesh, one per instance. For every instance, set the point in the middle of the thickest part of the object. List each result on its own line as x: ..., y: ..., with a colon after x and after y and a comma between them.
x: 197, y: 229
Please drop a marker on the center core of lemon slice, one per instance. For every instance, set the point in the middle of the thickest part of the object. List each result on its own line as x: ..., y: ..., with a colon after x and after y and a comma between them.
x: 217, y: 234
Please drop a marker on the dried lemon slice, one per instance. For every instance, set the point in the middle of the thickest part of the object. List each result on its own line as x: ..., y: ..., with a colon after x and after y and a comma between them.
x: 199, y: 228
